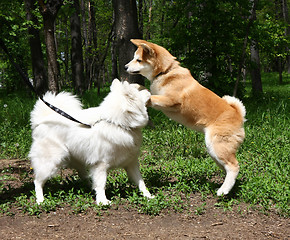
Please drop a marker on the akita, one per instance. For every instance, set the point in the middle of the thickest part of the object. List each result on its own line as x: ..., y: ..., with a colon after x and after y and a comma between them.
x: 178, y: 95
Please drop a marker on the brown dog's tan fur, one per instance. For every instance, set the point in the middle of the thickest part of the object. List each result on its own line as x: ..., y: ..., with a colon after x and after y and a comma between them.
x: 176, y: 93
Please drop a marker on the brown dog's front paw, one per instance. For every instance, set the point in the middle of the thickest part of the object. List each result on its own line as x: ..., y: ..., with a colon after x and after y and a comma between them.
x: 149, y: 103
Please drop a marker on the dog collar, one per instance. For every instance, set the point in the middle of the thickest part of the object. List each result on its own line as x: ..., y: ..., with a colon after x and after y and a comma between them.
x: 159, y: 74
x: 162, y: 73
x: 112, y: 123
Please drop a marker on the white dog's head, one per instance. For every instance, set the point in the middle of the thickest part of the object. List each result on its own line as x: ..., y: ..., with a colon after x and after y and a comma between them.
x: 126, y: 104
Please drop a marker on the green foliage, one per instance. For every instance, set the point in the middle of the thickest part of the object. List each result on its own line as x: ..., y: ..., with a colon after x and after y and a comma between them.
x: 270, y: 32
x: 15, y: 134
x: 174, y: 163
x: 206, y: 37
x: 15, y: 36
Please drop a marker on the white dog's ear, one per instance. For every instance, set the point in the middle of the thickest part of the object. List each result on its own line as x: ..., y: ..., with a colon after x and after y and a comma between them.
x: 126, y: 83
x: 115, y: 84
x: 138, y: 86
x: 145, y: 95
x: 147, y: 49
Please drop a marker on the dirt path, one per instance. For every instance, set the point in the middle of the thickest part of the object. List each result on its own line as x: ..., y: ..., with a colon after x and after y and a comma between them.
x: 127, y: 223
x: 124, y: 224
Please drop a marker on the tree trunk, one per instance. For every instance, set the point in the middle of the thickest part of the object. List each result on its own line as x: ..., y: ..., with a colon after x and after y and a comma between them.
x: 126, y: 29
x: 52, y: 67
x: 280, y: 70
x: 49, y: 11
x: 38, y: 69
x: 287, y: 31
x: 114, y: 51
x: 140, y: 16
x: 93, y: 56
x: 84, y: 5
x: 241, y: 64
x: 76, y: 50
x: 255, y: 69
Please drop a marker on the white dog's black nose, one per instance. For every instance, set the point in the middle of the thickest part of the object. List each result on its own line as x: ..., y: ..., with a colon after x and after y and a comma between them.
x: 126, y: 67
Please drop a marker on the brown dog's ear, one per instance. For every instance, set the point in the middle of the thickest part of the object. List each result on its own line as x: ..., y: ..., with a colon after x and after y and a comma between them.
x: 147, y: 49
x: 144, y: 44
x: 136, y: 42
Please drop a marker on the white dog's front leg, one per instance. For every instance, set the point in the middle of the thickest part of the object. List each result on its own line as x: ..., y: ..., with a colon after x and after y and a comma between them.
x: 134, y: 174
x: 39, y: 191
x: 99, y: 179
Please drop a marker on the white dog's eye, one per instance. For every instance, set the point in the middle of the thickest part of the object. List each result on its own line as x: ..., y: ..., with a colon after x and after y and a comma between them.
x: 139, y: 60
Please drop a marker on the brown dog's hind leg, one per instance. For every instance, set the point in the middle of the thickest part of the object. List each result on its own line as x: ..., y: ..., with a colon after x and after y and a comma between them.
x: 223, y: 149
x: 232, y: 171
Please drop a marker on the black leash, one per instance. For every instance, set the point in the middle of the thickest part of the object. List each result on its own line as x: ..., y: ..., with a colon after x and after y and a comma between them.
x: 28, y: 83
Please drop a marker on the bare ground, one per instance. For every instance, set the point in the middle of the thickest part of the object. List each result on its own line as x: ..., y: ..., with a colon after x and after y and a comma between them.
x: 123, y: 222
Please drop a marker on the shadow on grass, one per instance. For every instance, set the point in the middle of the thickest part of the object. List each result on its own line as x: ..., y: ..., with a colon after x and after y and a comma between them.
x: 156, y: 180
x: 52, y: 186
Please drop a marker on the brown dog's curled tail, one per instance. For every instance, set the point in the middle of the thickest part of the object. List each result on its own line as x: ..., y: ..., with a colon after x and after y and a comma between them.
x: 237, y: 104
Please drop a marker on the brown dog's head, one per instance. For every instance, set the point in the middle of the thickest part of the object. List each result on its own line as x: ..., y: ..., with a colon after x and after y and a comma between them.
x: 150, y: 60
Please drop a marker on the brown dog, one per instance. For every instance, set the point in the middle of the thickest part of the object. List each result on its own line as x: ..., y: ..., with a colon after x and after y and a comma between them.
x: 176, y: 93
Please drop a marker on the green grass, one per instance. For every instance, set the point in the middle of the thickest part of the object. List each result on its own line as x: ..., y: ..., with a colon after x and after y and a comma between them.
x: 174, y: 161
x: 15, y: 134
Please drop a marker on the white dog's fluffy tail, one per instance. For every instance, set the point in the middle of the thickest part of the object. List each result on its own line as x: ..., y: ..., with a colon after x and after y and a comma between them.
x: 237, y: 104
x: 64, y: 101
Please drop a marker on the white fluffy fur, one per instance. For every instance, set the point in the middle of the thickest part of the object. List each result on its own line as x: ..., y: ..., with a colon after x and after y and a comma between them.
x: 113, y: 141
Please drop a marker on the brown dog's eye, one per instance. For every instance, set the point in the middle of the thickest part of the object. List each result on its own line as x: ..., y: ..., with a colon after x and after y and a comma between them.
x: 139, y: 60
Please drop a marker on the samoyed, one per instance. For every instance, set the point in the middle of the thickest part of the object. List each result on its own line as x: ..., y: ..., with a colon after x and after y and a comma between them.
x: 113, y: 141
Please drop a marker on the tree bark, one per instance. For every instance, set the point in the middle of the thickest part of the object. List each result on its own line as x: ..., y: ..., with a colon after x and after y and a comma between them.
x: 287, y: 31
x: 251, y: 20
x: 76, y: 50
x: 49, y: 12
x: 84, y: 5
x: 280, y: 69
x: 255, y: 69
x: 93, y: 56
x: 38, y: 69
x: 126, y: 29
x: 114, y: 51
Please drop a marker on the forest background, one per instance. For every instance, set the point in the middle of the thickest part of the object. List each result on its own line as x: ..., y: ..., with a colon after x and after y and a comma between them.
x: 233, y: 47
x: 83, y: 44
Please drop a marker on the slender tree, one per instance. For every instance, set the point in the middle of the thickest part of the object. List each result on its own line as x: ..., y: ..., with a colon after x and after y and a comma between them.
x: 252, y: 18
x: 76, y: 49
x: 92, y: 55
x: 255, y: 62
x: 114, y: 51
x: 38, y: 69
x: 255, y: 68
x: 49, y: 10
x: 286, y: 18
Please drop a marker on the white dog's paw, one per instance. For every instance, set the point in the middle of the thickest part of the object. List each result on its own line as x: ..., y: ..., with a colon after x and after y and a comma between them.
x: 103, y: 202
x: 148, y: 195
x: 39, y: 200
x: 222, y: 191
x: 151, y: 196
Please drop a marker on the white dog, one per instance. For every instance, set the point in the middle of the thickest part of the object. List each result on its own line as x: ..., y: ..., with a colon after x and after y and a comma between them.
x: 113, y: 141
